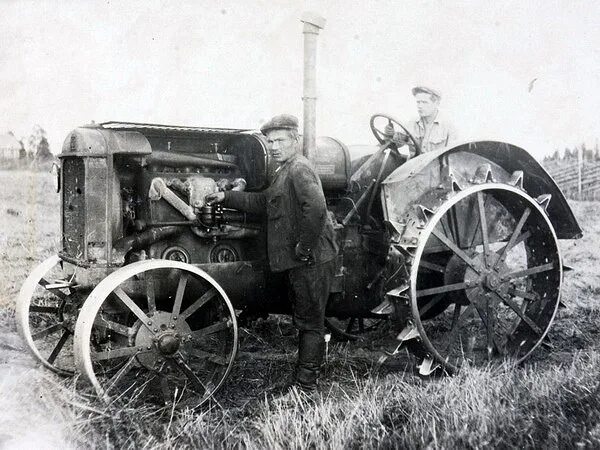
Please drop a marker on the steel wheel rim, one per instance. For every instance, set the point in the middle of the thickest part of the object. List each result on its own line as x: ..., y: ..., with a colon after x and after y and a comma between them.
x: 89, y: 312
x: 23, y: 314
x: 426, y: 235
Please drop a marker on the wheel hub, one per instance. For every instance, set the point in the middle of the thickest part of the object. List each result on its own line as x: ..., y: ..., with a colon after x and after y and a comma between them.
x: 489, y: 279
x: 164, y: 338
x: 492, y: 281
x: 168, y: 343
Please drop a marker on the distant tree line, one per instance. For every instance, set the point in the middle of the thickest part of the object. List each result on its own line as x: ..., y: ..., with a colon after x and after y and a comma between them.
x: 568, y: 154
x: 34, y: 151
x: 35, y: 147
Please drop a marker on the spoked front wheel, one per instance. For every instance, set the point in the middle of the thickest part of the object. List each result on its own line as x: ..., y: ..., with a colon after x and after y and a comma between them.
x: 157, y: 331
x: 46, y: 312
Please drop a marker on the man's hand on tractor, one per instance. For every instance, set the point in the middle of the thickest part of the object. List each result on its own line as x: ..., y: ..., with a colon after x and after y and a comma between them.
x: 215, y: 197
x: 389, y: 130
x: 302, y: 254
x: 400, y: 138
x: 397, y: 137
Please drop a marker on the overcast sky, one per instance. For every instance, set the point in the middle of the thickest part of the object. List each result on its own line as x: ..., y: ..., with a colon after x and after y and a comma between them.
x: 236, y: 63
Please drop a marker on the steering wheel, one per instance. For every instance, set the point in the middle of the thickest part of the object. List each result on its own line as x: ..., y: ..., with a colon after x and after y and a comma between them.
x: 387, y: 140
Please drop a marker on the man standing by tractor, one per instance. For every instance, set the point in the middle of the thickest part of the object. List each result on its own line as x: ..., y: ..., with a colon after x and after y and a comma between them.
x: 300, y: 239
x: 432, y: 131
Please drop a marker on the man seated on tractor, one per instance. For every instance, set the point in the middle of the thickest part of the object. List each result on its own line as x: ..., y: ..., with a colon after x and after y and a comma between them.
x: 300, y: 236
x: 432, y: 131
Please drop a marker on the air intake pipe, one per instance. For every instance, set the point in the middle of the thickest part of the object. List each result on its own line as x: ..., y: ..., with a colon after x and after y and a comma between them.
x: 312, y: 25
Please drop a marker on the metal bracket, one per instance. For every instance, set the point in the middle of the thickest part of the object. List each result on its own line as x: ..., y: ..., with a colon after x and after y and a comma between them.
x: 397, y: 292
x: 425, y: 212
x: 409, y: 332
x: 544, y: 200
x: 427, y: 367
x: 449, y: 180
x: 483, y: 174
x: 384, y: 308
x: 516, y: 179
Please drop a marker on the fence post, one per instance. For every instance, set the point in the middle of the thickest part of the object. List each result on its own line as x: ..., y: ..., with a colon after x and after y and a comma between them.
x: 579, y: 164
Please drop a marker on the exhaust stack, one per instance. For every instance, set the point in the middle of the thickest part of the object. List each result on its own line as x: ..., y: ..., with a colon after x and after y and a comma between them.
x: 313, y: 23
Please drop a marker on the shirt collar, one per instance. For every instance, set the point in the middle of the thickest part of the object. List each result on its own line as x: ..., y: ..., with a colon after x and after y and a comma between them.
x: 287, y: 163
x: 438, y: 118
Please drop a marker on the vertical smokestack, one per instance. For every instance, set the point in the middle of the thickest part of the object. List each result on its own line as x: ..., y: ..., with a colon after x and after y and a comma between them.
x: 312, y: 25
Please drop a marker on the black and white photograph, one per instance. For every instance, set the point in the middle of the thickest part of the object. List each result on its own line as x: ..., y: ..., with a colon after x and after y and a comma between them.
x: 299, y: 224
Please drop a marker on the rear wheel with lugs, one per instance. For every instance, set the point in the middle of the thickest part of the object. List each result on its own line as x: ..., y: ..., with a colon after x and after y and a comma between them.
x: 485, y: 280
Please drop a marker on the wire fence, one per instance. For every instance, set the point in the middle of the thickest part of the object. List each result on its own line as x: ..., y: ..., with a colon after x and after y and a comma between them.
x: 567, y: 175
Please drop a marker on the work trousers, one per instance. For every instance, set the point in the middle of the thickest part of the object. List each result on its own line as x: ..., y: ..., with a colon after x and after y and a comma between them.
x: 310, y: 286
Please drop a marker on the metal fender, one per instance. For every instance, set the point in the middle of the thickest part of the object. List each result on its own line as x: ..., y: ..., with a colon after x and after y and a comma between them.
x: 469, y: 163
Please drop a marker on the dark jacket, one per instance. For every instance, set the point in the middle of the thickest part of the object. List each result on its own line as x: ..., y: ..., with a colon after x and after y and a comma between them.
x: 296, y: 212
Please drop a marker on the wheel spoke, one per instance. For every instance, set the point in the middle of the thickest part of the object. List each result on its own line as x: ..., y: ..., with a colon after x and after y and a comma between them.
x: 491, y: 340
x: 455, y: 315
x: 212, y: 357
x: 455, y: 330
x: 54, y: 291
x: 431, y: 266
x: 114, y: 326
x: 512, y: 305
x: 361, y: 325
x: 135, y: 309
x: 446, y: 228
x: 59, y: 346
x: 189, y: 373
x: 208, y: 295
x: 530, y: 271
x: 183, y: 279
x: 453, y: 224
x: 441, y: 289
x: 150, y: 294
x: 489, y: 322
x: 460, y: 253
x: 130, y: 364
x: 522, y: 237
x: 523, y: 294
x: 116, y: 353
x: 430, y: 304
x: 513, y: 238
x: 47, y: 331
x: 484, y: 227
x: 164, y: 388
x: 211, y: 329
x: 350, y: 326
x: 44, y: 309
x: 471, y: 241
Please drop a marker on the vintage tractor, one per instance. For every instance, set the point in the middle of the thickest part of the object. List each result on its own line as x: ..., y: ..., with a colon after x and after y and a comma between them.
x: 457, y: 249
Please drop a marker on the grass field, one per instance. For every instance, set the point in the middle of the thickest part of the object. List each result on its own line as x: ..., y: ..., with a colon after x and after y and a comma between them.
x: 552, y: 401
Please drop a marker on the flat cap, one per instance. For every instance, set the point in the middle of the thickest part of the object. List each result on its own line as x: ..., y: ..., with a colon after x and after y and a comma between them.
x: 282, y: 121
x: 426, y: 90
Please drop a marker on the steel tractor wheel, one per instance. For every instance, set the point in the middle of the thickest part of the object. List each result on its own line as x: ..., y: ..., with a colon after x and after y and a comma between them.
x: 46, y: 311
x: 485, y: 274
x: 157, y: 331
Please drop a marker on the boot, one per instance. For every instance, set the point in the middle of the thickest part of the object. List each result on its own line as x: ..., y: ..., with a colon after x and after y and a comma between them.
x: 311, y: 351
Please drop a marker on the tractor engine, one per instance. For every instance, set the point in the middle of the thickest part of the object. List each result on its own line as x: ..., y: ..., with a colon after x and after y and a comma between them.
x: 132, y: 192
